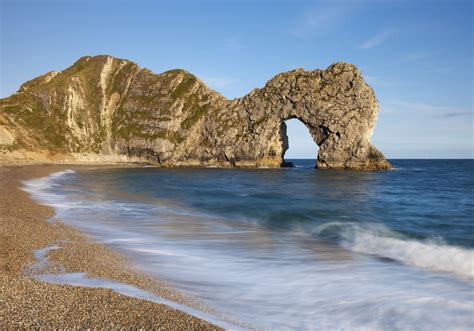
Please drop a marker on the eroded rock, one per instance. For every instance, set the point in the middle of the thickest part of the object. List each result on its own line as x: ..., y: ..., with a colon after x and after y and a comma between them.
x: 110, y: 106
x: 6, y: 137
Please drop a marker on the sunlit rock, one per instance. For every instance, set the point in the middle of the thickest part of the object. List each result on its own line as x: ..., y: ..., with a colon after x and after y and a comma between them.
x: 111, y: 107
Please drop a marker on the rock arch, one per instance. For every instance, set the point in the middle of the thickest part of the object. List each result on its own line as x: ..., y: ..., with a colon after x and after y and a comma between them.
x: 112, y: 109
x: 287, y: 142
x: 336, y: 105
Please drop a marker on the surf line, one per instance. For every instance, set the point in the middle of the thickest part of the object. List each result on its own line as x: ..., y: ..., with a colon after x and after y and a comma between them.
x: 82, y: 279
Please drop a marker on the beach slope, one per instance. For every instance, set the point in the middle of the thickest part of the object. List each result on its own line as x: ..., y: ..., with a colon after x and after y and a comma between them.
x: 26, y: 302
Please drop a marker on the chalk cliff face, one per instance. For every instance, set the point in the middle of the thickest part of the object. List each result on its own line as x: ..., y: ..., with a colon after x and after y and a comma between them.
x: 104, y: 108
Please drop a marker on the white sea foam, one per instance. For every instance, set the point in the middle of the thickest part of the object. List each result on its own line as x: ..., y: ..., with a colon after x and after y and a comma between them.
x: 277, y: 279
x: 82, y: 279
x: 122, y: 240
x: 156, y: 251
x: 62, y: 173
x: 375, y: 239
x: 39, y: 185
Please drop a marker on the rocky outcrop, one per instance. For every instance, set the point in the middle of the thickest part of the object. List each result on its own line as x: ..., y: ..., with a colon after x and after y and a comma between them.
x: 114, y: 109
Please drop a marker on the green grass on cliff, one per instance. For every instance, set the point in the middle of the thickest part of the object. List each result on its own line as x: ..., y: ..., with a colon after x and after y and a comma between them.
x: 197, y: 113
x: 183, y: 88
x: 128, y: 125
x: 48, y: 131
x: 40, y: 110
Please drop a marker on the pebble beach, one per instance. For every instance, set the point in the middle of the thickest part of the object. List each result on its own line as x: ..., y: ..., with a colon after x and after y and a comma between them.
x: 29, y: 303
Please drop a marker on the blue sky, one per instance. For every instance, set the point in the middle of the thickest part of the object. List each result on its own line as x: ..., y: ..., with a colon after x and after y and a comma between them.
x: 417, y: 55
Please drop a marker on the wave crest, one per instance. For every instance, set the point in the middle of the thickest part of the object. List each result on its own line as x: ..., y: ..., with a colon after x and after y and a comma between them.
x: 376, y: 239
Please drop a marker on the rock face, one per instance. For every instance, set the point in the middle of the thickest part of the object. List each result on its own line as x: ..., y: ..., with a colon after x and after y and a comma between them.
x: 111, y: 108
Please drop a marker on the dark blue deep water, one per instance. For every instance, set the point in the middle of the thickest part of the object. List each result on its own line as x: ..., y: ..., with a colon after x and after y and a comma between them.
x: 292, y: 248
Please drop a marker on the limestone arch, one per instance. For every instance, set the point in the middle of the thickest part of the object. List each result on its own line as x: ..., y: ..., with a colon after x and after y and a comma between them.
x: 336, y: 105
x: 286, y: 139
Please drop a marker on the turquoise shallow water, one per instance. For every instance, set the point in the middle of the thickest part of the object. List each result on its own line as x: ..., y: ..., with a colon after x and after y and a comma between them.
x: 293, y: 248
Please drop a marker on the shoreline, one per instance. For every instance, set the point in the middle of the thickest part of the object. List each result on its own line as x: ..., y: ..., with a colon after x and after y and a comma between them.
x: 25, y: 302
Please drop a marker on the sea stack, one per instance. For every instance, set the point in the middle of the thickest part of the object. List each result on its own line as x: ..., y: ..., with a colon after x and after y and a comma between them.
x: 108, y: 109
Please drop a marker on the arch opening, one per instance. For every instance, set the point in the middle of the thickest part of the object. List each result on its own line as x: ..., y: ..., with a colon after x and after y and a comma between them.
x: 299, y: 146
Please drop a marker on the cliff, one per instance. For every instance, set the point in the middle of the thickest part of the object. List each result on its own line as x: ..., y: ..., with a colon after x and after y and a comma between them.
x: 108, y: 109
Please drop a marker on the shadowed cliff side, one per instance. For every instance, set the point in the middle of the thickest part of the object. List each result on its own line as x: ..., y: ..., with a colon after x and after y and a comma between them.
x: 104, y: 109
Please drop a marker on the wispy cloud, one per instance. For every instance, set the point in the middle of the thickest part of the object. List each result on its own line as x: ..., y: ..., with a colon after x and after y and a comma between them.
x: 458, y: 114
x: 218, y: 82
x: 427, y: 109
x: 440, y: 70
x: 416, y: 55
x: 371, y: 79
x: 376, y: 80
x: 323, y: 17
x: 233, y: 43
x: 377, y: 39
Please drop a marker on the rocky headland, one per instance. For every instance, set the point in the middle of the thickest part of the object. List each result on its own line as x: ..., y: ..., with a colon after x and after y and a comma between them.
x: 107, y: 110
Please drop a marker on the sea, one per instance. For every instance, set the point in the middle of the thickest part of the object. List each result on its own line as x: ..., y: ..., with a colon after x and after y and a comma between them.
x: 291, y: 248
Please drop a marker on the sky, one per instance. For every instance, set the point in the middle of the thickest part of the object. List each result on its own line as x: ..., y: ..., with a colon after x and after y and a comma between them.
x: 416, y: 54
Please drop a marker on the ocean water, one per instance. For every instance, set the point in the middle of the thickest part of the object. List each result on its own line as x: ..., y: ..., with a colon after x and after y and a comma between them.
x: 292, y: 248
x: 39, y: 272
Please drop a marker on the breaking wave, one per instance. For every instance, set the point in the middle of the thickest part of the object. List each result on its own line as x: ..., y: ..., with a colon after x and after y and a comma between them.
x: 40, y: 184
x: 221, y: 235
x: 378, y: 240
